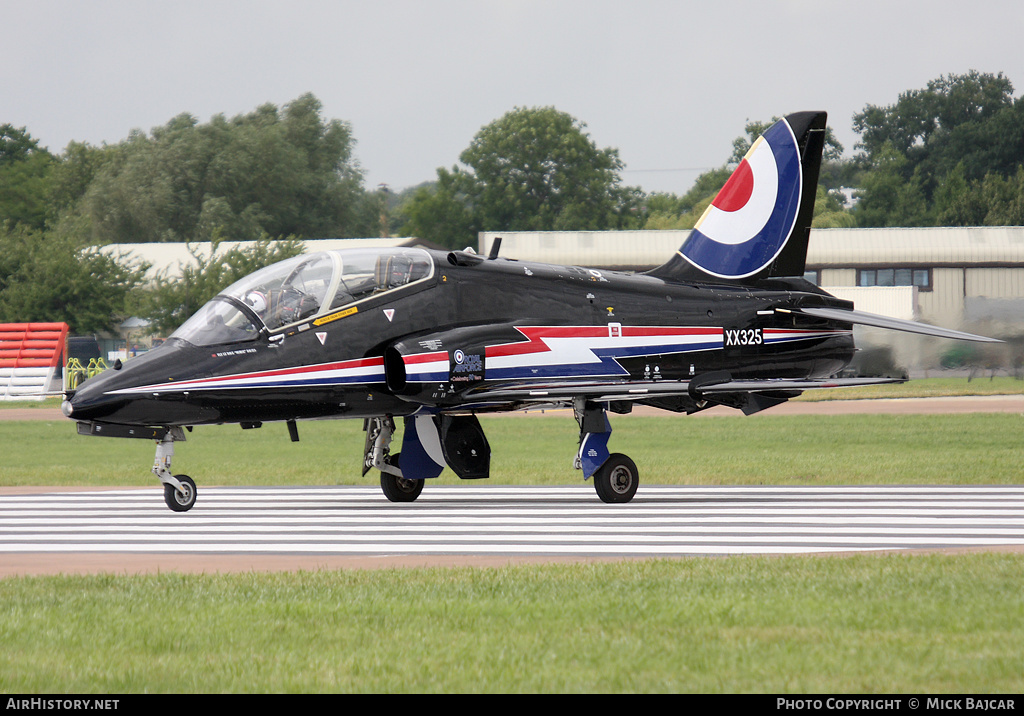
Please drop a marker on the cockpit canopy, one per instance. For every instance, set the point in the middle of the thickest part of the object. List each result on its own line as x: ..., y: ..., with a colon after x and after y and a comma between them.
x: 303, y: 287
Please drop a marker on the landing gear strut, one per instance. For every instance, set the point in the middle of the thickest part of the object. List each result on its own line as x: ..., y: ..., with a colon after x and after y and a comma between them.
x: 377, y: 454
x: 179, y: 490
x: 615, y: 475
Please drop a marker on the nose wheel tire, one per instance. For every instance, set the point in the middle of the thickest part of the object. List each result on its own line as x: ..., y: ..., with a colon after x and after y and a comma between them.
x: 617, y: 479
x: 181, y: 501
x: 398, y: 489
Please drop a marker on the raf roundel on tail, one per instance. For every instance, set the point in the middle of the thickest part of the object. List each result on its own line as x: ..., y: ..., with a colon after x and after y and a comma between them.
x: 759, y: 222
x: 747, y: 224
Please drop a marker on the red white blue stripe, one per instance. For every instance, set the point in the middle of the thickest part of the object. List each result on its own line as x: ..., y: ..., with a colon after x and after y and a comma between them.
x: 359, y: 371
x: 547, y: 352
x: 590, y: 351
x: 426, y: 367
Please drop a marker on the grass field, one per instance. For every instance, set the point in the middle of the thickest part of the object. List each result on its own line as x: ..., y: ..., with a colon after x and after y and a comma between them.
x: 864, y: 624
x: 923, y: 388
x: 797, y: 450
x: 925, y: 624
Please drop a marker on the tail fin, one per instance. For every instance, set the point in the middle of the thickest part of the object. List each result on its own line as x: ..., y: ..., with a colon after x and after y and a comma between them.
x: 759, y: 223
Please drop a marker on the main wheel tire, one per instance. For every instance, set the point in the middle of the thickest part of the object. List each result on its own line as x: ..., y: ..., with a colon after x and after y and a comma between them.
x: 398, y: 489
x: 177, y: 501
x: 617, y: 479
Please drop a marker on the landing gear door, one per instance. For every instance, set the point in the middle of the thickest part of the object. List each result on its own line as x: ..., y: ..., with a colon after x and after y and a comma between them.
x: 465, y: 447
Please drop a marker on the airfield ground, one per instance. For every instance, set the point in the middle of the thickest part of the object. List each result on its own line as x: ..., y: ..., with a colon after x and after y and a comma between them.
x: 36, y: 564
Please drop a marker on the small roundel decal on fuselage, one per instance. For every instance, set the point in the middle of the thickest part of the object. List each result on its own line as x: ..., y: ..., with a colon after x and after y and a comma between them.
x: 751, y: 218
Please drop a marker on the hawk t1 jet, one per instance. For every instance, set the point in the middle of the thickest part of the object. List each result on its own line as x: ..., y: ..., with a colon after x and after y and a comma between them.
x: 435, y: 339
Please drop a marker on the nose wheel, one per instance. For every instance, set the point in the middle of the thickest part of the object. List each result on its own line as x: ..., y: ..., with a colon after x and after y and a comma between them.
x: 179, y: 490
x: 180, y: 500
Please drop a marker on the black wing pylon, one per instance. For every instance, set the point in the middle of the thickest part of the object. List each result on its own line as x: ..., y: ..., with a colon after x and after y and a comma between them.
x: 643, y: 390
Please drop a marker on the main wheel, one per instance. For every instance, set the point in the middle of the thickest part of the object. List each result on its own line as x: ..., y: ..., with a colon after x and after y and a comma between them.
x: 178, y: 501
x: 398, y: 489
x: 617, y: 479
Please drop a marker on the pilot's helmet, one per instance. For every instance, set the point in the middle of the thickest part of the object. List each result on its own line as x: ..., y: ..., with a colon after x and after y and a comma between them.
x: 256, y: 301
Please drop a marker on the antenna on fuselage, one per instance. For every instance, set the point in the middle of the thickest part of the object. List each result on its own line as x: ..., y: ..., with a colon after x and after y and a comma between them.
x: 495, y: 247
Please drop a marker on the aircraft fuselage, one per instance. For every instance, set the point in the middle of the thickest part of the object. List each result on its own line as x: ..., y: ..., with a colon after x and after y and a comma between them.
x: 472, y: 323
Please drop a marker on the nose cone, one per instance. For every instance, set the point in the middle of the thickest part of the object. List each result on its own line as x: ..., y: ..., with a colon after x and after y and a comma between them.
x: 132, y: 393
x: 99, y: 397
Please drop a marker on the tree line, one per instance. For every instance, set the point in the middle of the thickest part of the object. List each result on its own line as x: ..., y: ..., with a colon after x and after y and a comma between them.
x: 949, y: 154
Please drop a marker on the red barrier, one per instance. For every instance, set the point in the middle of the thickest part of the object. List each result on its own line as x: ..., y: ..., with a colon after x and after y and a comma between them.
x: 32, y: 345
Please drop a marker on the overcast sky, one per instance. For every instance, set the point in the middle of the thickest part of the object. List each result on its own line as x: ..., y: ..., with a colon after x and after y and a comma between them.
x: 669, y: 84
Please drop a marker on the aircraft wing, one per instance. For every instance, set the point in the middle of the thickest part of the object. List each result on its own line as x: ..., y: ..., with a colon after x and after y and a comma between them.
x: 897, y: 324
x: 645, y: 390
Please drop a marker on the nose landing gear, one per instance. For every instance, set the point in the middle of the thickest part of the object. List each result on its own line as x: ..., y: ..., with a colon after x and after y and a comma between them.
x: 180, y: 498
x: 179, y: 490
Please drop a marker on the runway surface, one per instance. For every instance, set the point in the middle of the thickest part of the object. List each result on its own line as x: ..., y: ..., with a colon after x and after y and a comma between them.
x: 233, y: 529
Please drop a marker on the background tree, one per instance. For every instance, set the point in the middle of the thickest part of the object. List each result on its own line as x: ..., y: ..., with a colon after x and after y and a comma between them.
x: 51, y: 277
x: 534, y: 169
x: 439, y: 212
x: 939, y: 154
x: 665, y: 211
x: 267, y: 173
x: 25, y: 169
x: 73, y: 172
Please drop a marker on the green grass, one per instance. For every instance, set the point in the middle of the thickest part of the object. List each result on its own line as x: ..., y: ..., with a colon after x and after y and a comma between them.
x: 922, y: 388
x: 864, y: 624
x: 982, y: 448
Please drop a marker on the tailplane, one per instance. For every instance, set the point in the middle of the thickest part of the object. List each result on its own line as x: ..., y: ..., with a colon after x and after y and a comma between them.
x: 759, y: 223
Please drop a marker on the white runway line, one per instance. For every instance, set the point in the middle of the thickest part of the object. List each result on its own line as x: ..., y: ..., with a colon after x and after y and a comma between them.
x: 522, y: 521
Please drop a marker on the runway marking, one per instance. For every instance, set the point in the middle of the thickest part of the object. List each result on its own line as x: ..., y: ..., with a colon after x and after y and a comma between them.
x: 516, y: 521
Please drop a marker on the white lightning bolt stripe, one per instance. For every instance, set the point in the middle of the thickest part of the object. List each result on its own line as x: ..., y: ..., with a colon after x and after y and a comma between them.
x: 591, y: 350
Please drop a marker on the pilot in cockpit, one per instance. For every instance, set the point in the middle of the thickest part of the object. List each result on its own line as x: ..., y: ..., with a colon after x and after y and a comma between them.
x: 257, y: 301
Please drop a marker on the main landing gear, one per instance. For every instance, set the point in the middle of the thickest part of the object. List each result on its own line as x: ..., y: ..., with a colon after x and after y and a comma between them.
x: 398, y: 489
x: 179, y: 490
x: 617, y: 479
x: 429, y: 444
x: 377, y: 455
x: 615, y: 475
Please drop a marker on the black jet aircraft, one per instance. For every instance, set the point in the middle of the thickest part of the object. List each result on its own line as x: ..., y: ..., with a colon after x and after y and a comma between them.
x: 438, y: 338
